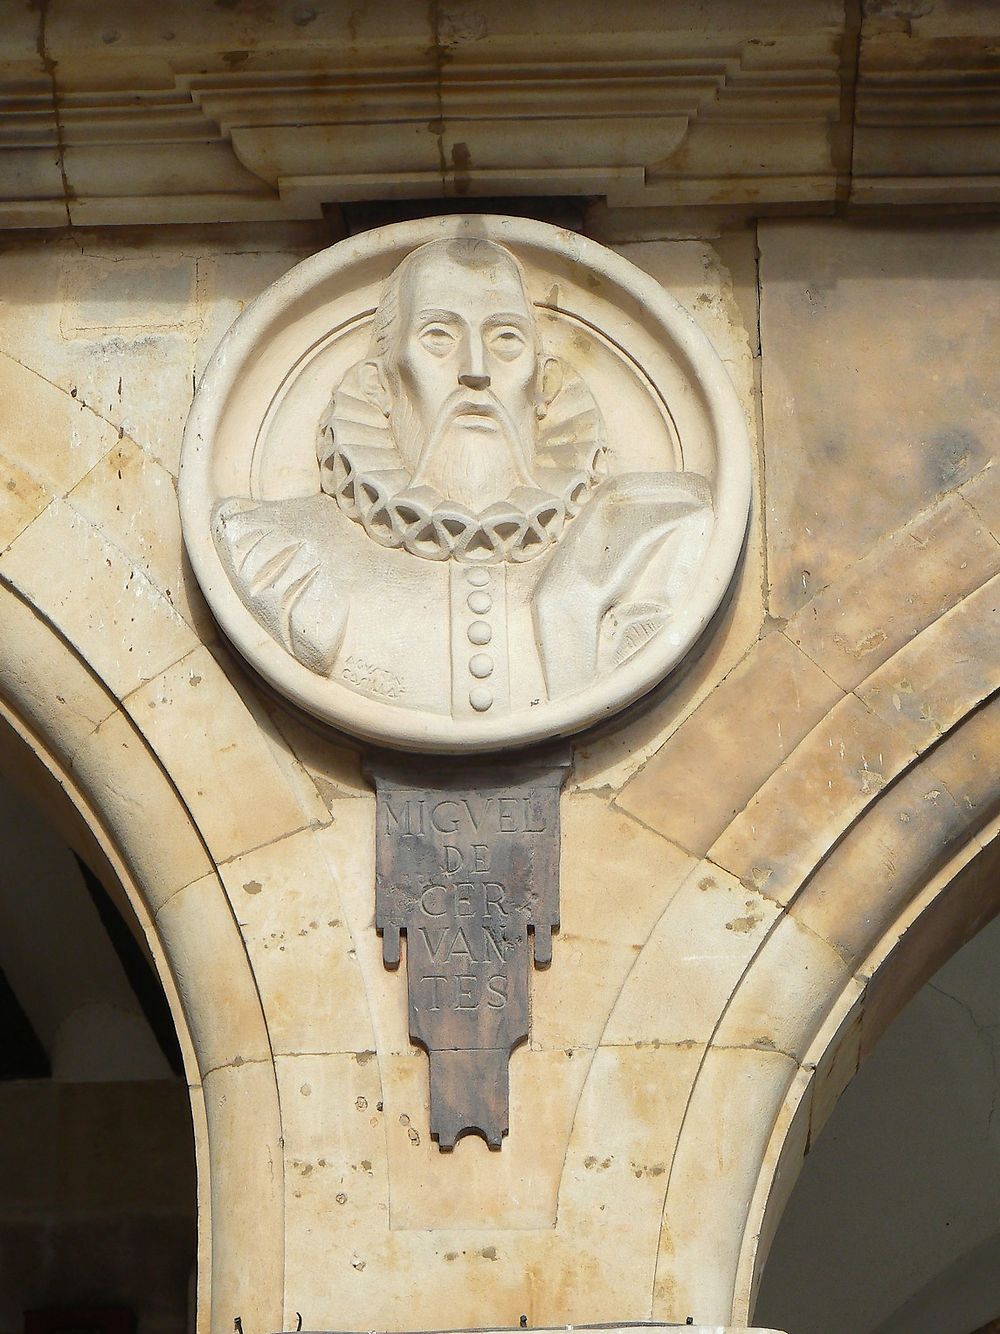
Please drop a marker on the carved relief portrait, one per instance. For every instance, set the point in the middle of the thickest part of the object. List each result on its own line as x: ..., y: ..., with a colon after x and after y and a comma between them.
x: 497, y: 519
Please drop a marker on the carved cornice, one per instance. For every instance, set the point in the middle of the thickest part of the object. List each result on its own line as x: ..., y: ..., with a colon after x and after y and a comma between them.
x: 191, y: 111
x: 928, y: 106
x: 185, y: 112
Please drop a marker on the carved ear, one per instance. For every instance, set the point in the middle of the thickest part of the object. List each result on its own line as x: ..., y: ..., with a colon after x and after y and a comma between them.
x: 375, y: 386
x: 550, y: 381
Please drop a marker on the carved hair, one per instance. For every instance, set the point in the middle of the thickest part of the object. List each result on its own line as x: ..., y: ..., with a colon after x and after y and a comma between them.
x: 469, y: 252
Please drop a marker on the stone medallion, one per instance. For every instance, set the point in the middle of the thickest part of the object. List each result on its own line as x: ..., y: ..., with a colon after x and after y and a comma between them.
x: 464, y: 484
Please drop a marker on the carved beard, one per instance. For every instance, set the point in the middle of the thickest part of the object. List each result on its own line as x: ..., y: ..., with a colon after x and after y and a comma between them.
x: 475, y: 468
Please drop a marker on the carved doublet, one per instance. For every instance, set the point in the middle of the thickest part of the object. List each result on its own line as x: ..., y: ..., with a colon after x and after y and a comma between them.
x: 492, y: 637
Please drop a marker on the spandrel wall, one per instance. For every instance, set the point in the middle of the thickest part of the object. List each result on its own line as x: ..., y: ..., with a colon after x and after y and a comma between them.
x: 736, y: 859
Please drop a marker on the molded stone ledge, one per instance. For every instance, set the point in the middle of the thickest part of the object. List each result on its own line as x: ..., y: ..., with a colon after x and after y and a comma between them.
x: 615, y: 1328
x: 221, y: 115
x: 184, y: 112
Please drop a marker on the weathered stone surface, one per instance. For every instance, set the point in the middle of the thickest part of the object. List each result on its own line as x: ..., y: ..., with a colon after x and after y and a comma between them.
x: 925, y: 103
x: 32, y: 395
x: 711, y: 283
x: 397, y: 107
x: 108, y: 761
x: 787, y: 828
x: 202, y: 733
x: 784, y: 1000
x: 22, y: 499
x: 718, y: 758
x: 787, y: 822
x: 101, y: 598
x: 132, y: 498
x: 459, y: 1190
x: 232, y: 1034
x: 877, y: 397
x: 718, y: 1170
x: 301, y: 949
x: 983, y: 494
x: 115, y: 336
x: 925, y: 688
x: 878, y: 862
x: 909, y: 580
x: 699, y: 949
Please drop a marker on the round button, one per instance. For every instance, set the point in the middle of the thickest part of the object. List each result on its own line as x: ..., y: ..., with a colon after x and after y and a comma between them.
x: 478, y: 578
x: 479, y: 602
x: 480, y: 698
x: 481, y: 664
x: 480, y: 632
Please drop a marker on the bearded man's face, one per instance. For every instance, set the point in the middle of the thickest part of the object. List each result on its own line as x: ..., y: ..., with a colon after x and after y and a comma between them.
x: 463, y: 378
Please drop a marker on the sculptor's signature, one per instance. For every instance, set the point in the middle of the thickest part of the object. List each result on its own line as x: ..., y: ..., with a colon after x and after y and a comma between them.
x: 366, y: 675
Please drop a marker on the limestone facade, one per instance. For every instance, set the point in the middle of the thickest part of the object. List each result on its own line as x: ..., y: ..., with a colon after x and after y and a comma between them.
x: 761, y: 862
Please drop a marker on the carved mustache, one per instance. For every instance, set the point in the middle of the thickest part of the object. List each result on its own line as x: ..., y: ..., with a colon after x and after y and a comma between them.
x: 476, y: 402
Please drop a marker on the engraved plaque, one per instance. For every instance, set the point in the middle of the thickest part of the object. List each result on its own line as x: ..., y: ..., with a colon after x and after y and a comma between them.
x: 467, y: 866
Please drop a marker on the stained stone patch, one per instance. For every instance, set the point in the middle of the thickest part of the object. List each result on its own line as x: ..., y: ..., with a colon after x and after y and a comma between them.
x: 880, y: 381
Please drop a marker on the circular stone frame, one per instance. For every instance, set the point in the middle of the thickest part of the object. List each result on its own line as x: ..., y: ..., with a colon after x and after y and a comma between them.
x: 277, y: 334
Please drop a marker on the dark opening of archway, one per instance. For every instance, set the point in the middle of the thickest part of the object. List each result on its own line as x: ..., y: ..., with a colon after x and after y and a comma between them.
x: 97, y: 1178
x: 893, y: 1226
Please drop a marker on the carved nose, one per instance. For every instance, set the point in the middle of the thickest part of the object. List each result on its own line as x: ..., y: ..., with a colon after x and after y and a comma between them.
x: 475, y: 381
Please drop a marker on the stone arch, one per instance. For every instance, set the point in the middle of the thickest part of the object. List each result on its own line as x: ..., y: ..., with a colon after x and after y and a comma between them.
x: 946, y: 911
x: 825, y: 863
x: 864, y: 971
x: 113, y: 671
x: 140, y: 829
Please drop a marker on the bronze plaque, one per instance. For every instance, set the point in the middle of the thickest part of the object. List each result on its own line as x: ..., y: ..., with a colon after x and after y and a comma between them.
x: 467, y: 866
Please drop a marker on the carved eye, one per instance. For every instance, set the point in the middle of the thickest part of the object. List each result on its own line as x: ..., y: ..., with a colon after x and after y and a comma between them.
x: 507, y: 342
x: 437, y: 339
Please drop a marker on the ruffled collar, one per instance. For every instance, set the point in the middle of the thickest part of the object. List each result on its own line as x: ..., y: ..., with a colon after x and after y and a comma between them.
x: 362, y: 469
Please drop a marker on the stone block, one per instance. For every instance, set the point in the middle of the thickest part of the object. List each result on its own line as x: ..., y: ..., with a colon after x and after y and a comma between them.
x: 694, y: 786
x: 983, y: 494
x: 347, y: 846
x: 855, y: 897
x: 905, y: 407
x: 727, y: 1131
x: 210, y: 743
x: 301, y: 949
x: 783, y: 1000
x: 617, y: 1167
x: 926, y: 688
x: 431, y: 1190
x: 74, y: 573
x: 904, y: 585
x: 213, y: 979
x: 132, y: 499
x: 701, y: 946
x: 22, y: 499
x: 788, y: 827
x: 47, y: 431
x: 113, y: 764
